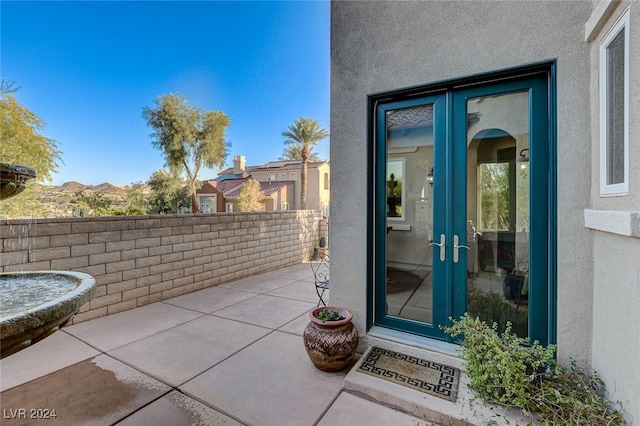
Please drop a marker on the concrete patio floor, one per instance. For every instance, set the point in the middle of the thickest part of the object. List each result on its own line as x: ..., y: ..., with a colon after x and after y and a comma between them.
x: 227, y: 355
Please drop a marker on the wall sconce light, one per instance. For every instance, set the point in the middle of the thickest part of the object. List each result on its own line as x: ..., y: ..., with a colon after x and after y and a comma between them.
x: 430, y: 177
x: 524, y: 158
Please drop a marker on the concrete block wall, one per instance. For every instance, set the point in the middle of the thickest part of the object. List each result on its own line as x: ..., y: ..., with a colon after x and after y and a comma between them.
x: 137, y: 260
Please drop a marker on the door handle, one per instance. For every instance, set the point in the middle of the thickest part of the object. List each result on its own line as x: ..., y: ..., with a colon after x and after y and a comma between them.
x: 442, y: 246
x: 456, y: 247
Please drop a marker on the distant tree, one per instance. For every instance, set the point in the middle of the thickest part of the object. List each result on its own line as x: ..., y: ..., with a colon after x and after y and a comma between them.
x: 165, y: 190
x: 249, y: 197
x: 304, y: 133
x: 189, y: 138
x: 136, y: 202
x: 294, y: 152
x: 21, y: 143
x: 94, y: 203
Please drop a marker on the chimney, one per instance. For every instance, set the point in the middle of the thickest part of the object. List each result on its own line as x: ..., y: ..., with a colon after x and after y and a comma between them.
x: 239, y: 164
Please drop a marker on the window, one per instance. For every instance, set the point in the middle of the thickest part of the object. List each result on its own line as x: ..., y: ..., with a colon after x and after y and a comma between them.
x: 272, y: 177
x: 285, y: 206
x: 283, y: 176
x: 326, y: 181
x: 293, y: 176
x: 229, y: 207
x: 208, y: 204
x: 614, y: 109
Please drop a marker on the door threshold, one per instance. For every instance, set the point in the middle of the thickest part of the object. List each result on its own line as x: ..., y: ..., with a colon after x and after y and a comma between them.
x: 382, y: 336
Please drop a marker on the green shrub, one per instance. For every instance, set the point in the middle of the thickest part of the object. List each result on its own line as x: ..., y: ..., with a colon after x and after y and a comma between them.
x: 504, y: 369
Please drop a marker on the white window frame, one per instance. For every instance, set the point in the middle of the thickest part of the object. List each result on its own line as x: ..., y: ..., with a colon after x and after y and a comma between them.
x: 618, y: 189
x: 293, y: 176
x: 212, y: 207
x: 283, y: 176
x: 229, y: 207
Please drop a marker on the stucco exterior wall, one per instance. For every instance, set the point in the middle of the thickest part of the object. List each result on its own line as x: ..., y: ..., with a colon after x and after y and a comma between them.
x: 616, y: 335
x: 313, y: 189
x: 614, y: 224
x: 384, y: 46
x: 324, y: 194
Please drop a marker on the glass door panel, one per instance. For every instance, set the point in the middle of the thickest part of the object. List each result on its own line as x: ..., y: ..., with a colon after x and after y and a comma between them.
x: 409, y: 181
x: 497, y: 258
x: 412, y: 134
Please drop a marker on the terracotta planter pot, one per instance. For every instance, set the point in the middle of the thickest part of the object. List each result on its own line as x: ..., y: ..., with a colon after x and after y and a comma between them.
x: 331, y: 345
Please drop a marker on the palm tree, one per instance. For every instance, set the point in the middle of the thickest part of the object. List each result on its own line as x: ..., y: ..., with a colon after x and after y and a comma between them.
x: 294, y: 152
x: 304, y: 133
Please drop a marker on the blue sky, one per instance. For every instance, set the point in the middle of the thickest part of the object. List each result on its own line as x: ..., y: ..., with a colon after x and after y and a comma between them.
x: 88, y: 69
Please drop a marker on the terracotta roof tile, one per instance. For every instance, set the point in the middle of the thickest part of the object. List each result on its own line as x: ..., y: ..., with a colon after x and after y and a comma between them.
x: 281, y: 165
x: 267, y: 188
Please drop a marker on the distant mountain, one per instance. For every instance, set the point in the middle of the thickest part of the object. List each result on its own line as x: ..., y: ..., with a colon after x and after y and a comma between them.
x: 72, y: 187
x: 107, y: 188
x: 61, y: 200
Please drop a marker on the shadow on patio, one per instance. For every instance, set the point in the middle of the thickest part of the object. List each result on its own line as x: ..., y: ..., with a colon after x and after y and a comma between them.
x: 230, y: 354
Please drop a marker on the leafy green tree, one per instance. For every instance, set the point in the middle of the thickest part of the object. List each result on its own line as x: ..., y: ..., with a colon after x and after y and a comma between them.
x: 189, y: 137
x: 249, y: 197
x: 165, y: 190
x: 136, y: 202
x: 304, y: 133
x: 294, y: 152
x: 22, y: 142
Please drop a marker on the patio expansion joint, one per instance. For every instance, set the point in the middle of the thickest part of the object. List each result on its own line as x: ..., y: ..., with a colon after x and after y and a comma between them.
x: 280, y: 329
x: 165, y: 382
x: 152, y: 334
x: 333, y: 401
x: 168, y: 302
x: 102, y: 352
x: 213, y: 407
x: 241, y: 322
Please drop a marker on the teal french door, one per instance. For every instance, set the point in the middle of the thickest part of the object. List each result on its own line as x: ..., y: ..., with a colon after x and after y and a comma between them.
x: 463, y: 208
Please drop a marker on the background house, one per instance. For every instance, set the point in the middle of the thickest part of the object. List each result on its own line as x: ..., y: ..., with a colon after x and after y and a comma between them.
x: 556, y: 88
x: 279, y: 183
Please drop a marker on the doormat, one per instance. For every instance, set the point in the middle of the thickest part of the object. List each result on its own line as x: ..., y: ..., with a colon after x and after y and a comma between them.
x: 415, y: 373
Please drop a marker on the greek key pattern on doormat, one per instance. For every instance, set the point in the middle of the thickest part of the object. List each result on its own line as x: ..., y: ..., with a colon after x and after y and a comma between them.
x: 416, y: 373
